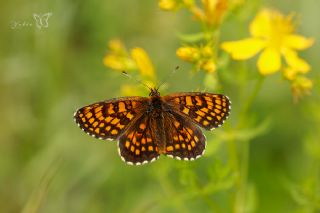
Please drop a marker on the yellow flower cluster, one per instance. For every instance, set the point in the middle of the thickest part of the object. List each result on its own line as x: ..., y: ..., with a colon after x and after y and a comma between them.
x: 118, y: 58
x: 273, y: 34
x: 202, y: 57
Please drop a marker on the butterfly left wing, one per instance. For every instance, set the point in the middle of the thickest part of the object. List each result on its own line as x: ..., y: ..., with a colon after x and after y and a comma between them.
x: 205, y: 109
x: 109, y: 119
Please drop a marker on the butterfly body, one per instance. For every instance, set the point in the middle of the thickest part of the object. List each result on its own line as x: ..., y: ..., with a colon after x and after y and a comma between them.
x: 147, y: 127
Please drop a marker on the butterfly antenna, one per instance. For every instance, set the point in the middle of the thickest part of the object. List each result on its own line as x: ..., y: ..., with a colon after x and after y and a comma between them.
x: 168, y: 77
x: 136, y: 80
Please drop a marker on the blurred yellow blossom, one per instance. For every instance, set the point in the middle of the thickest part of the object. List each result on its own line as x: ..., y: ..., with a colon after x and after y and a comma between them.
x: 202, y: 57
x: 168, y: 4
x: 291, y: 73
x: 301, y: 86
x: 274, y: 35
x: 117, y: 57
x: 143, y: 63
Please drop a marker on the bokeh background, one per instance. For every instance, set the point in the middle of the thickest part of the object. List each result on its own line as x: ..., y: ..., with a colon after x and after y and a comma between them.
x: 48, y: 165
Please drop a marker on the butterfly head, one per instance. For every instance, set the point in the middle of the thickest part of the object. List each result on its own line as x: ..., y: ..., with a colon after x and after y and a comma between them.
x: 154, y: 92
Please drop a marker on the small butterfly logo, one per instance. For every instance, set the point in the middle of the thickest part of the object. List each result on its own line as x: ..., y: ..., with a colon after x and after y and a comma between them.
x: 42, y: 20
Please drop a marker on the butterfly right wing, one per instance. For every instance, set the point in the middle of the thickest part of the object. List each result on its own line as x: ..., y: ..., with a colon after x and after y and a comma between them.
x: 109, y: 119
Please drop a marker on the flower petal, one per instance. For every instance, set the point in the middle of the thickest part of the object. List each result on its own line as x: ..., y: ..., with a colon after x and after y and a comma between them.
x: 269, y: 61
x: 243, y: 49
x: 261, y: 25
x: 298, y: 42
x: 294, y: 61
x: 143, y: 62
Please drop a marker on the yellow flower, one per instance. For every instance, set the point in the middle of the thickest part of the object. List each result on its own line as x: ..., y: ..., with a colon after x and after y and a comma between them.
x: 201, y: 57
x: 144, y: 63
x: 301, y: 86
x: 214, y: 11
x: 274, y: 35
x: 291, y: 73
x: 168, y: 5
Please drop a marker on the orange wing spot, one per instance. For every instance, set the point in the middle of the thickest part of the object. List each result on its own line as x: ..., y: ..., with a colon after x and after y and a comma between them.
x: 199, y: 102
x: 175, y: 138
x: 218, y: 106
x: 188, y: 101
x: 157, y: 150
x: 91, y: 129
x: 89, y: 115
x: 143, y: 141
x: 97, y: 130
x: 80, y: 115
x: 119, y: 126
x: 176, y: 124
x: 207, y: 98
x: 114, y: 132
x: 180, y: 137
x: 143, y: 149
x: 213, y: 114
x: 177, y: 146
x: 217, y: 111
x: 132, y: 148
x: 110, y: 109
x: 177, y: 100
x: 210, y: 106
x: 224, y: 104
x: 115, y: 121
x: 101, y: 125
x: 186, y: 111
x: 83, y: 119
x: 222, y: 114
x: 189, y: 137
x: 98, y: 109
x: 196, y: 138
x: 150, y: 148
x: 205, y: 123
x: 193, y: 144
x: 133, y: 103
x: 198, y: 119
x: 137, y: 143
x: 169, y: 148
x: 190, y: 131
x: 91, y: 120
x: 200, y: 113
x: 130, y: 135
x: 218, y: 101
x: 86, y: 125
x: 98, y: 114
x: 108, y: 119
x: 129, y: 115
x: 142, y: 126
x: 108, y: 128
x: 183, y: 145
x: 122, y: 107
x: 95, y: 124
x: 102, y: 134
x: 189, y: 147
x: 149, y: 140
x: 218, y: 117
x: 209, y: 118
x: 137, y: 152
x: 134, y: 139
x: 204, y: 109
x: 127, y: 144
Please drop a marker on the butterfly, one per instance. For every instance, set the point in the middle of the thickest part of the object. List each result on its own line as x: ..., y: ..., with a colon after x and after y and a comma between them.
x: 147, y: 127
x: 42, y: 20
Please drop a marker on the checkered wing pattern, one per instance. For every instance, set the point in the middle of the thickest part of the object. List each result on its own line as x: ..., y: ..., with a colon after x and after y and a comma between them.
x: 137, y: 145
x: 109, y: 119
x: 205, y: 109
x: 185, y: 140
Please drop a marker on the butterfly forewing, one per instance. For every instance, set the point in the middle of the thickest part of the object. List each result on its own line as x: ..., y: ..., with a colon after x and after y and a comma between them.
x: 109, y: 119
x: 137, y: 145
x: 205, y: 109
x: 185, y: 140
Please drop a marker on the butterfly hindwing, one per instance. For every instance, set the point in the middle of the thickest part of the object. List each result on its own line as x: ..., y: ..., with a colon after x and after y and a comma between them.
x: 205, y: 109
x: 185, y: 140
x: 137, y: 145
x: 109, y: 119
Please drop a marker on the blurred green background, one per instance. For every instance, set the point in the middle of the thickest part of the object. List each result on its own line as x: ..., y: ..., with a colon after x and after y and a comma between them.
x: 48, y: 165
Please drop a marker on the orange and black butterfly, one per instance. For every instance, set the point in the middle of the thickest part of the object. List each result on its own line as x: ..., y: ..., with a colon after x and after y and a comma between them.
x: 146, y: 127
